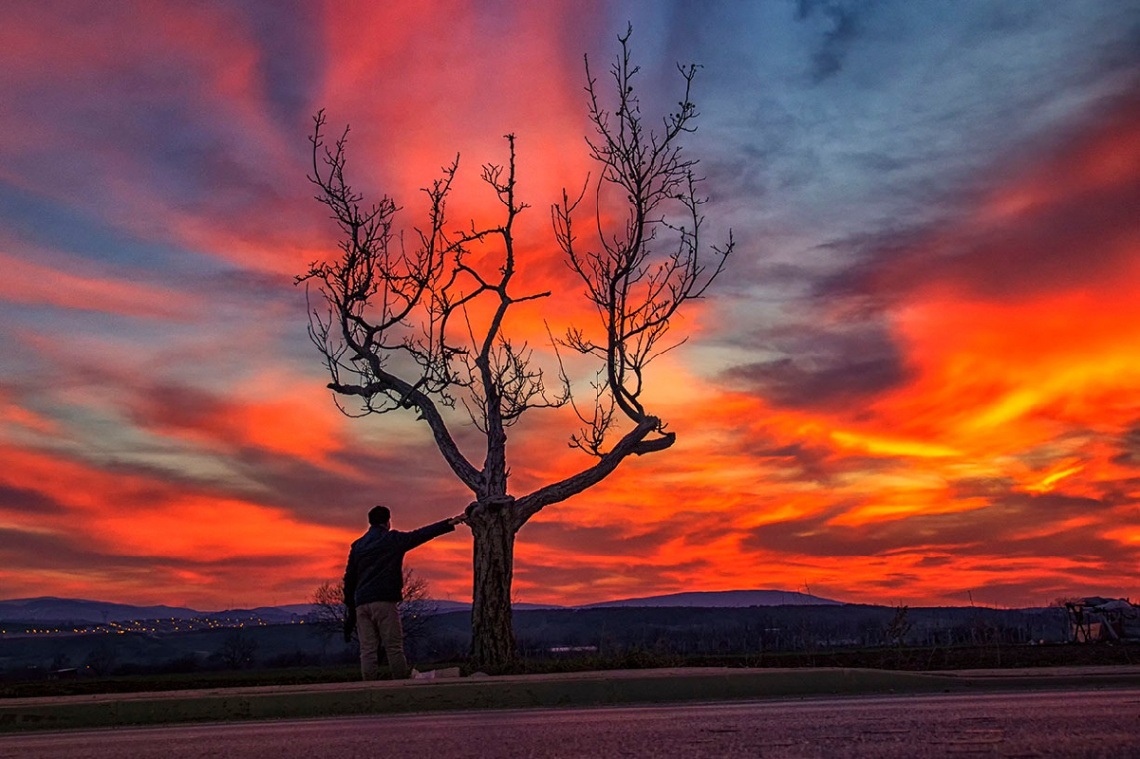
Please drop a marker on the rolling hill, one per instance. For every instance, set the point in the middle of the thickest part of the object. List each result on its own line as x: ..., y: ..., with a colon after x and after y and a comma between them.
x: 724, y: 599
x: 51, y: 609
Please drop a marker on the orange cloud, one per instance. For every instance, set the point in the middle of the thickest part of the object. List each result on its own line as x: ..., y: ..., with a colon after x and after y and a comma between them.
x: 101, y: 523
x: 298, y: 424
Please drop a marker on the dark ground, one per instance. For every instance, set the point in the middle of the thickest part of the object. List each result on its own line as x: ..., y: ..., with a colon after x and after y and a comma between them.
x: 1053, y: 724
x: 909, y: 659
x: 852, y: 636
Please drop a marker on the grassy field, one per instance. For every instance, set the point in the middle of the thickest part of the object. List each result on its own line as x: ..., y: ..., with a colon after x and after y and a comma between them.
x: 178, y: 681
x: 906, y: 658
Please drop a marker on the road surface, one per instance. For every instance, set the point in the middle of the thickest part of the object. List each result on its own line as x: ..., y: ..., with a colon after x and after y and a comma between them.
x: 1027, y: 724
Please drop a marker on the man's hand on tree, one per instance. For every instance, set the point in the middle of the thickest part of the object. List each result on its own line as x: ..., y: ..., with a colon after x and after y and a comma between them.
x: 456, y: 520
x: 491, y: 502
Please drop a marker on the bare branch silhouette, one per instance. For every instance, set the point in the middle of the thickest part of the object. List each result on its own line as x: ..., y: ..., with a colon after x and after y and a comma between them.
x: 422, y: 326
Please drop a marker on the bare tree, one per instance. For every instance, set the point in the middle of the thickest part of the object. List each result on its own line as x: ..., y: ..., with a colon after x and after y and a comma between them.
x: 415, y: 610
x: 328, y: 609
x: 102, y: 659
x: 421, y: 326
x: 899, y: 626
x: 238, y: 650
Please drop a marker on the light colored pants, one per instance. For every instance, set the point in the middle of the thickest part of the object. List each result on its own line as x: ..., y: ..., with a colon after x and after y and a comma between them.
x: 378, y: 623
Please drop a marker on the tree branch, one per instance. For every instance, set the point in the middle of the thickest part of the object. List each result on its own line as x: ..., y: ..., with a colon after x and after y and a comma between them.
x: 414, y: 398
x: 633, y: 442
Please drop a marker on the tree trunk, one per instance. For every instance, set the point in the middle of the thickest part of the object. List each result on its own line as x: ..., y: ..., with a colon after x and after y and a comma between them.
x: 492, y: 630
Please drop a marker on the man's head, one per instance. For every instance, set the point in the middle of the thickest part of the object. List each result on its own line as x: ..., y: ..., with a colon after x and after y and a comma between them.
x: 379, y: 516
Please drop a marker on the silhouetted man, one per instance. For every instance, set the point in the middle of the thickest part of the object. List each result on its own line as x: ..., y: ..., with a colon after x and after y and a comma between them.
x: 374, y: 585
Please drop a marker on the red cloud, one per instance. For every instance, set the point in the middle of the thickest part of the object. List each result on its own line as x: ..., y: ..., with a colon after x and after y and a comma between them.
x: 66, y: 285
x: 1067, y: 222
x: 292, y: 422
x: 112, y: 517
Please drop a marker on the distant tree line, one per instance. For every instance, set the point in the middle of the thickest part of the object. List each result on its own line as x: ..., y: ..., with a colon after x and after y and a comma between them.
x: 702, y: 631
x: 621, y: 636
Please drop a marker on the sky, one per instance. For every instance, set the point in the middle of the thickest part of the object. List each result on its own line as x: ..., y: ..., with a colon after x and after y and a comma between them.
x: 917, y: 382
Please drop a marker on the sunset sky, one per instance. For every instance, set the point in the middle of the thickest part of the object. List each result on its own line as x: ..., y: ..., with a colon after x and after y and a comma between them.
x: 918, y: 381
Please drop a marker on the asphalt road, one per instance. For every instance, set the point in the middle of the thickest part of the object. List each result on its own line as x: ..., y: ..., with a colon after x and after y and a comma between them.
x: 1027, y: 724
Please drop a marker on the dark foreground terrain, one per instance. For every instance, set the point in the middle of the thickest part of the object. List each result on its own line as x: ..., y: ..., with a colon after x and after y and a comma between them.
x: 906, y: 659
x: 1048, y: 724
x: 561, y: 640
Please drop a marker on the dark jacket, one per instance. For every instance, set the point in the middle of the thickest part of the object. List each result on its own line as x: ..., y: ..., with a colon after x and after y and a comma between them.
x: 375, y: 569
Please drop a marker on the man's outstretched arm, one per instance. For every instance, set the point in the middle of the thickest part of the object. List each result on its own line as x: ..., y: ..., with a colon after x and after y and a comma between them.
x: 426, y: 533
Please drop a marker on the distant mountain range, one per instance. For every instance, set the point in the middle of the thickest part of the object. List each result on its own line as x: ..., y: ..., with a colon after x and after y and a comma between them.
x: 48, y: 609
x: 723, y: 599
